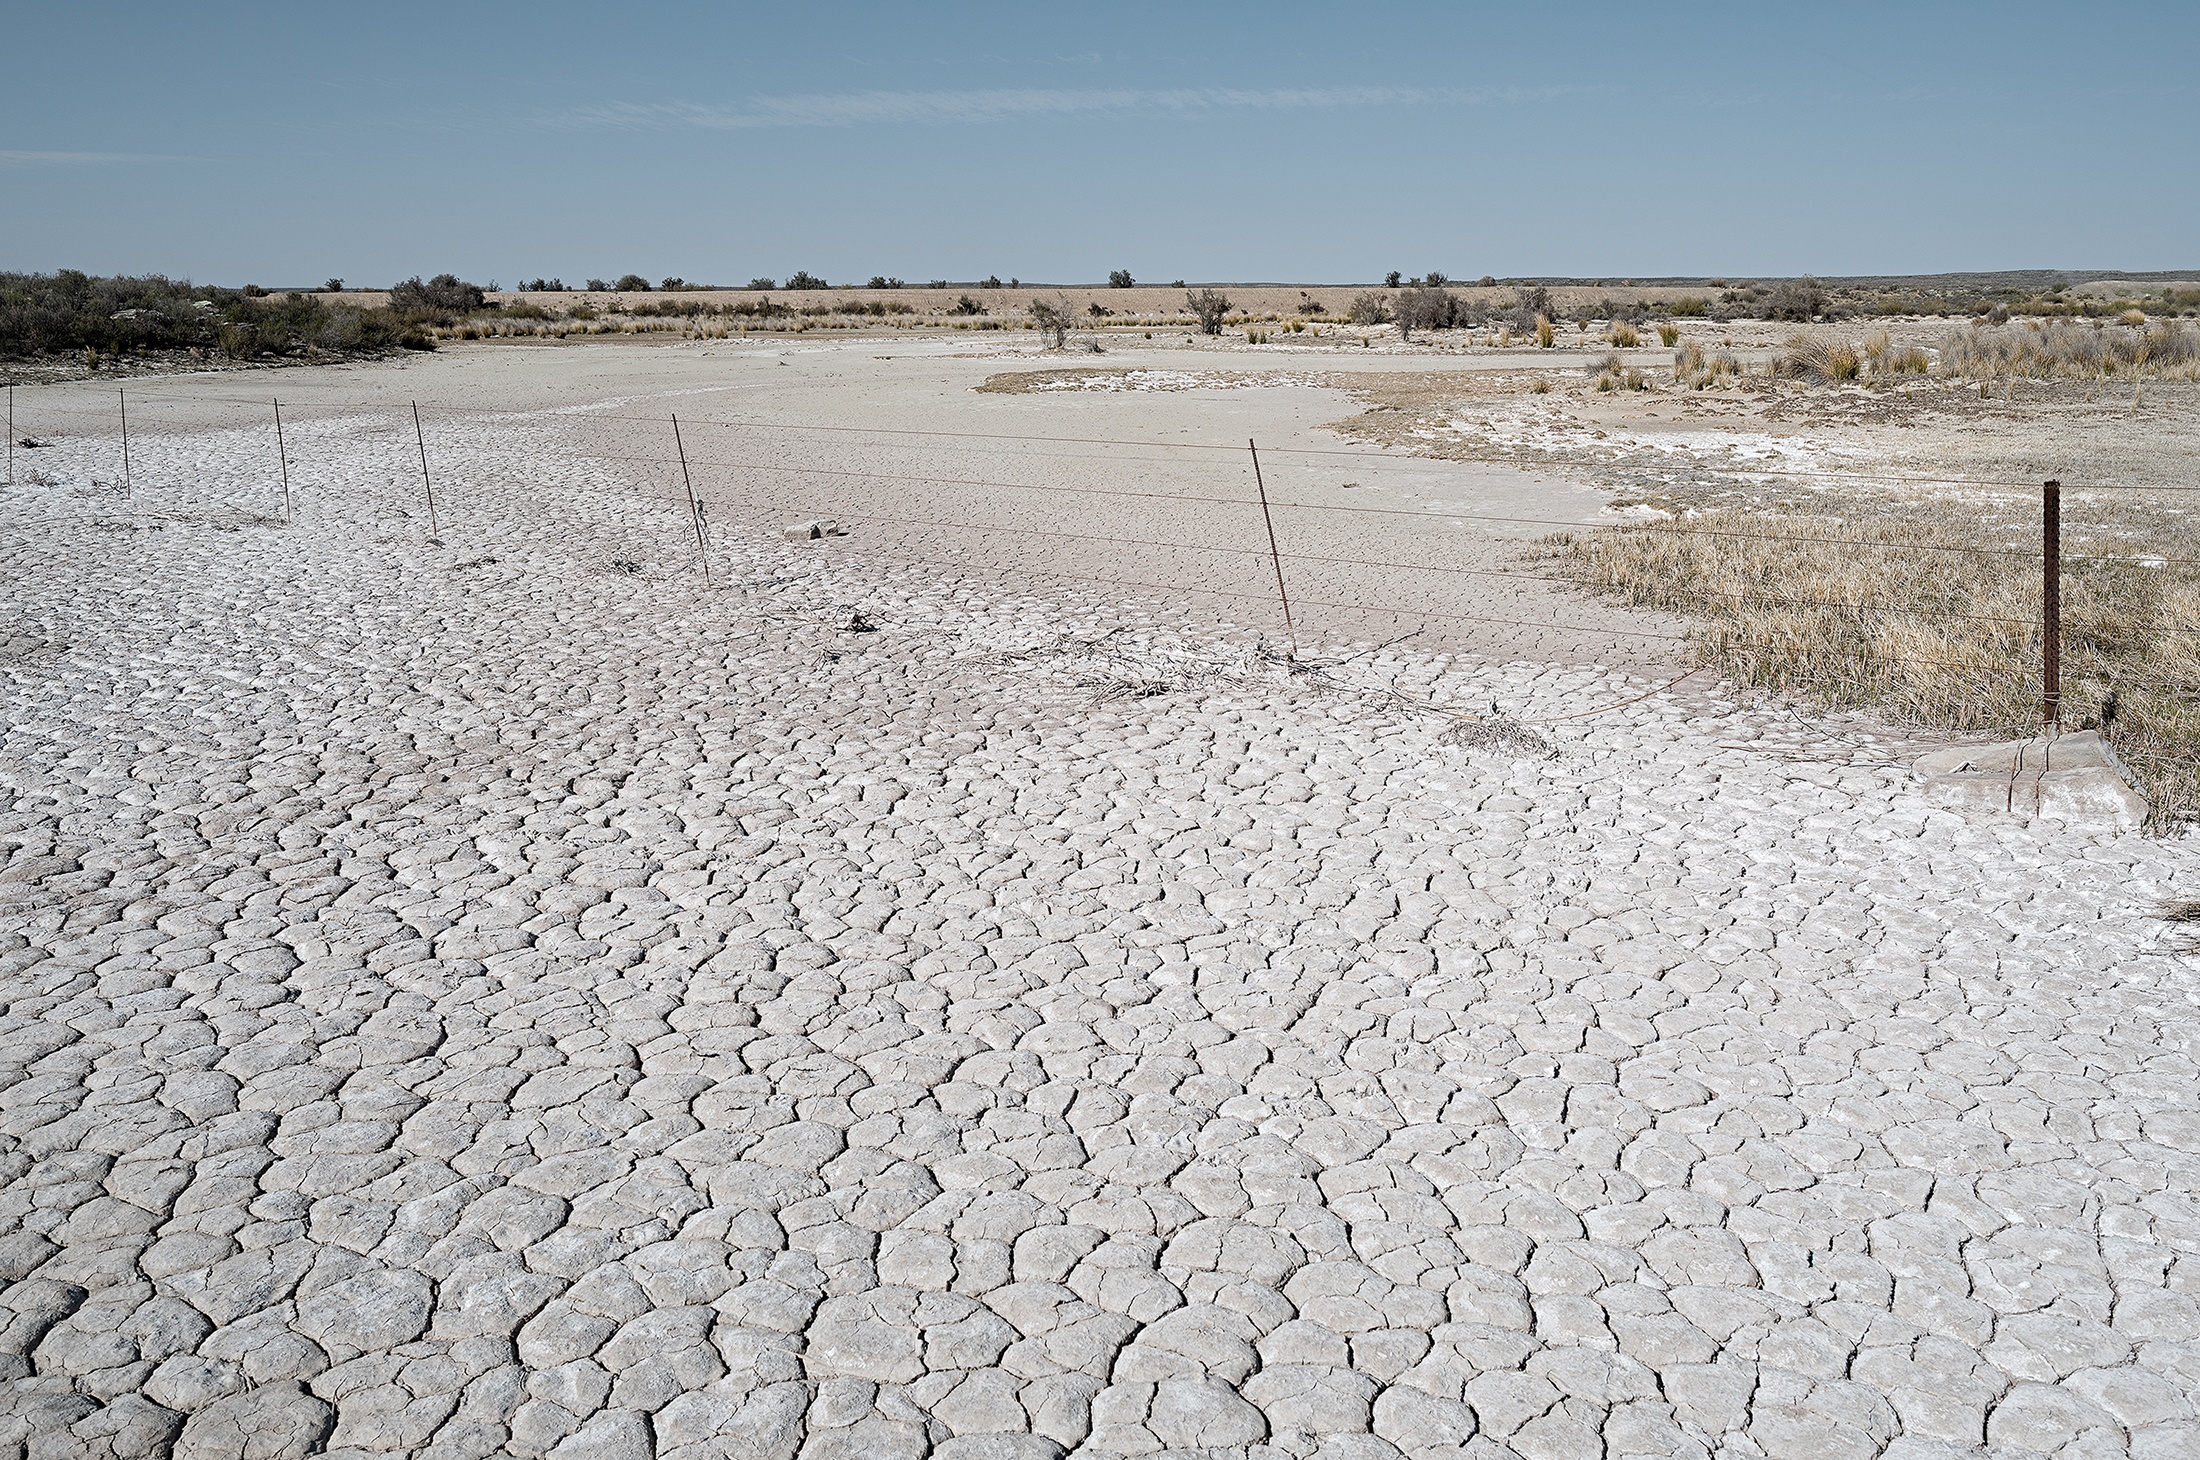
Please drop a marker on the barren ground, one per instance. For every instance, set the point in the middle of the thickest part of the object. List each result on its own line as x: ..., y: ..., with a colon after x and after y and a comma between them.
x: 477, y: 1000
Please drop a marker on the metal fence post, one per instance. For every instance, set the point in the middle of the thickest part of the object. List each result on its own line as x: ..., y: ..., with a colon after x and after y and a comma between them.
x: 695, y: 508
x: 122, y: 400
x: 1291, y: 634
x: 2051, y: 605
x: 435, y: 532
x: 283, y: 458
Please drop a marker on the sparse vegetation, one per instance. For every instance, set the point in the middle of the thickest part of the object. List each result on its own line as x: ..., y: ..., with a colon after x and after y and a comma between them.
x: 804, y: 279
x: 1669, y: 335
x: 1546, y: 334
x: 631, y: 284
x: 1369, y: 308
x: 964, y: 304
x: 1623, y: 335
x: 2068, y: 349
x: 1892, y: 609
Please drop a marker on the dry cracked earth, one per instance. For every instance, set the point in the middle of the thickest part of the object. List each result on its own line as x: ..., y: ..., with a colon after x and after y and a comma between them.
x: 459, y: 1009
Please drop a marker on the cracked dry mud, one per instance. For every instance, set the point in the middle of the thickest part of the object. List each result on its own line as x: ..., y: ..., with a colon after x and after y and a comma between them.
x: 539, y: 1011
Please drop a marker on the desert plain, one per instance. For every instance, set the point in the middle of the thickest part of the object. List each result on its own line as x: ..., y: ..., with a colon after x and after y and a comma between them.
x: 517, y: 978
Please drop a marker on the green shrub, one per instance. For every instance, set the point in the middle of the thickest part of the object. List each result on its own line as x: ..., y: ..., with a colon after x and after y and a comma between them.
x: 439, y: 299
x: 70, y: 312
x: 632, y: 284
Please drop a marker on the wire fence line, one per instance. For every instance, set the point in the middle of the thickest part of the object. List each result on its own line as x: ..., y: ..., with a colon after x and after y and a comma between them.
x: 716, y: 503
x: 586, y: 415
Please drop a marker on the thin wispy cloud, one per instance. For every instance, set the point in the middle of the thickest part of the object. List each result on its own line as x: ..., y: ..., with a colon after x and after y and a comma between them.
x: 860, y: 108
x: 77, y: 159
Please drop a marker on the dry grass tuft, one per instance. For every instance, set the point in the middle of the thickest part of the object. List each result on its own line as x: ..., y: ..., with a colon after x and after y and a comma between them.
x: 1502, y: 735
x: 1879, y: 612
x: 1546, y: 334
x: 1810, y: 358
x: 1692, y: 369
x: 2072, y: 349
x: 1669, y: 334
x: 1623, y: 335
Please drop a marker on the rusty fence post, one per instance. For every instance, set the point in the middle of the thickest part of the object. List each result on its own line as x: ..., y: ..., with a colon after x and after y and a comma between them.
x: 2051, y: 605
x: 1291, y: 634
x: 435, y: 532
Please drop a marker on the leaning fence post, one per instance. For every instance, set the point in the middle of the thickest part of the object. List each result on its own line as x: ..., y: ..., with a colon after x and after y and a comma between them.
x: 11, y: 433
x: 695, y: 508
x: 283, y: 458
x: 435, y: 532
x: 1290, y: 634
x: 2051, y: 604
x: 123, y: 401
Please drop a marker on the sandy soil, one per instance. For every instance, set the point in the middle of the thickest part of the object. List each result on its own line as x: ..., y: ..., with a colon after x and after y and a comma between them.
x: 474, y: 1000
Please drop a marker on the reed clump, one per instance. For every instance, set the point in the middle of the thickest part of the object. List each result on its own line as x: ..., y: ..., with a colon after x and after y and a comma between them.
x: 1904, y: 612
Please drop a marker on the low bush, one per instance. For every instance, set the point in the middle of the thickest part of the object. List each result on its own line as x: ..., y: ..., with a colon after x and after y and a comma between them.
x: 1430, y: 308
x: 1689, y: 306
x: 804, y: 279
x: 1052, y: 319
x: 1120, y: 279
x: 1797, y: 300
x: 1369, y: 308
x: 441, y: 299
x: 632, y: 284
x: 964, y: 304
x: 1209, y: 307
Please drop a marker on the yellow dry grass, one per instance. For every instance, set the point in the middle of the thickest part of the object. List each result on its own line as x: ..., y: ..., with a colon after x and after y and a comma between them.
x: 1894, y: 610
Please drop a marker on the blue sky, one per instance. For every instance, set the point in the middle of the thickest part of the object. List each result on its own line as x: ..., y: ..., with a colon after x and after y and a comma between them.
x: 236, y: 143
